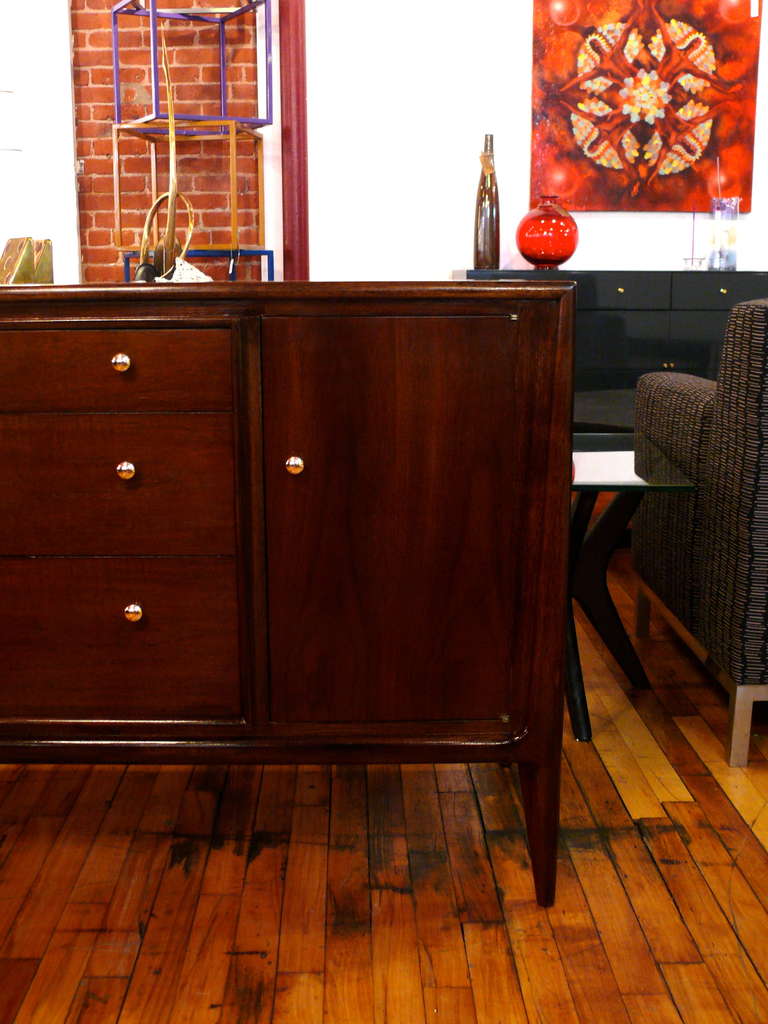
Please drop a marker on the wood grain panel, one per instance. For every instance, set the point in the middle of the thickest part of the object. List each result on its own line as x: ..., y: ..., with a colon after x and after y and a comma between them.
x: 495, y: 987
x: 71, y: 370
x: 473, y: 881
x: 441, y: 945
x: 17, y: 976
x: 204, y: 972
x: 579, y: 941
x: 22, y: 865
x: 721, y: 949
x: 397, y: 987
x: 69, y: 652
x: 156, y: 976
x: 69, y: 500
x: 252, y: 974
x: 36, y: 921
x: 97, y: 1001
x: 348, y: 950
x: 407, y: 553
x: 57, y: 979
x: 696, y: 994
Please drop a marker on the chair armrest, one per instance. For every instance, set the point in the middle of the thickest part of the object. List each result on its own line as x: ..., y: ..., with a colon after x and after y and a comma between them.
x: 734, y: 578
x: 674, y: 411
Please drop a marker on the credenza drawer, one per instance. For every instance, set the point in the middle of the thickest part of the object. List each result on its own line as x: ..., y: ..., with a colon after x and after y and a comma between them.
x: 607, y: 336
x: 603, y: 289
x: 622, y: 290
x: 70, y: 652
x: 710, y: 290
x: 121, y: 485
x: 153, y: 369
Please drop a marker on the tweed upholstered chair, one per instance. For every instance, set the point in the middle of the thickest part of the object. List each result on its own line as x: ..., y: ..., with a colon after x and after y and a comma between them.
x: 702, y: 557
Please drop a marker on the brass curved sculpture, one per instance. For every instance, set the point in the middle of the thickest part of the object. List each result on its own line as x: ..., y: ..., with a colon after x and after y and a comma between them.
x: 168, y: 248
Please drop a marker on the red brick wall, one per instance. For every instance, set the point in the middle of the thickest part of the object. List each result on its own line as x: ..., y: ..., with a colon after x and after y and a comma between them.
x: 202, y: 166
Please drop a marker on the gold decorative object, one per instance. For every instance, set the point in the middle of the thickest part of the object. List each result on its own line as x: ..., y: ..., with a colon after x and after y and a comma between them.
x: 42, y: 252
x: 237, y: 137
x: 26, y: 261
x: 168, y: 247
x: 294, y: 464
x: 125, y: 470
x: 133, y: 612
x: 121, y: 362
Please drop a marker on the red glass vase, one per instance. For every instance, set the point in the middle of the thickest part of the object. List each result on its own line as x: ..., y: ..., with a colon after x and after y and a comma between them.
x: 547, y: 235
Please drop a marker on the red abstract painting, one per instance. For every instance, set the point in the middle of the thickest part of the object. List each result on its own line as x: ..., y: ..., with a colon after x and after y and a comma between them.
x: 643, y: 104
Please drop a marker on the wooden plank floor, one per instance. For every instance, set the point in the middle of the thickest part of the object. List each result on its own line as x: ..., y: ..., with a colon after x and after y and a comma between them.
x: 401, y: 895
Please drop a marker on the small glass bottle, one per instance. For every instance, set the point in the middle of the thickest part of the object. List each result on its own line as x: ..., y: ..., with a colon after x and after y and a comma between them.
x: 725, y: 216
x: 487, y: 212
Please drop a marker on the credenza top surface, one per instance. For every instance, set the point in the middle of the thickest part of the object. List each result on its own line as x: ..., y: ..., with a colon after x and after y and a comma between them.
x: 247, y: 293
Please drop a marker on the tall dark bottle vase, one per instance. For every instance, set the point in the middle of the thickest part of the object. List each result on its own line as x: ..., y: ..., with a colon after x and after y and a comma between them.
x: 487, y: 212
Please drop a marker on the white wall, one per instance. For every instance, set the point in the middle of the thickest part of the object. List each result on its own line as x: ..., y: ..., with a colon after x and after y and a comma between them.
x: 37, y: 185
x: 272, y: 154
x: 399, y: 99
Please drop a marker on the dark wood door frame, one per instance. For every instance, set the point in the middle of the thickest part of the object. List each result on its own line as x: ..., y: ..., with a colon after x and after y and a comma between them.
x: 293, y: 104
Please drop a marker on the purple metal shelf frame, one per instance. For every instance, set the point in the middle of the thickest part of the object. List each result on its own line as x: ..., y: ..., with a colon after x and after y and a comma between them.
x: 234, y: 256
x: 216, y: 17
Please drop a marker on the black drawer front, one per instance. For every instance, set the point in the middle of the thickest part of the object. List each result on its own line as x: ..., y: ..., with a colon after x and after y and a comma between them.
x: 604, y: 337
x: 604, y: 289
x: 614, y: 349
x: 705, y: 290
x: 697, y: 325
x: 706, y: 329
x: 623, y: 289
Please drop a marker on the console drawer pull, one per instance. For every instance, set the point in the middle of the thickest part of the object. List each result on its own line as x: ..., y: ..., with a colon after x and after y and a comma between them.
x: 121, y: 362
x: 133, y: 612
x: 620, y: 290
x: 125, y: 470
x: 294, y: 464
x: 723, y: 291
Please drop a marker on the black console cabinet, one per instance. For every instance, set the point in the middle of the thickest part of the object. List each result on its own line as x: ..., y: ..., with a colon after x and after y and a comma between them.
x: 629, y: 322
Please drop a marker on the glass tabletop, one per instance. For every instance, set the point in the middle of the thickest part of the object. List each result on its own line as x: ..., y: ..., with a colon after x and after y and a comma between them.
x: 623, y: 462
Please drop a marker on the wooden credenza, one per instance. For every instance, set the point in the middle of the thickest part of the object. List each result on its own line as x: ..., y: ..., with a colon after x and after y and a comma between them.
x: 171, y: 591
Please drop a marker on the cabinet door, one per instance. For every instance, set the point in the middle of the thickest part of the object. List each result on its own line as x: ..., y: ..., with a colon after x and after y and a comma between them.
x: 614, y: 346
x: 405, y: 559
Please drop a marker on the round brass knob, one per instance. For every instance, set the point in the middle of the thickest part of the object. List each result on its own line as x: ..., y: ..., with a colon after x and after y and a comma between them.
x: 121, y: 362
x: 723, y: 291
x: 294, y: 465
x: 620, y: 291
x: 133, y: 612
x: 125, y: 470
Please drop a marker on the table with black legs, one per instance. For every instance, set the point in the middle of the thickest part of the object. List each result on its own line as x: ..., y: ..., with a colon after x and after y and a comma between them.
x: 628, y: 466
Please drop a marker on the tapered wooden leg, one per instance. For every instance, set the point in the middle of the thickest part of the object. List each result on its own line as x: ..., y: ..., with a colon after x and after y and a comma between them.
x: 642, y: 613
x: 540, y: 785
x: 739, y: 725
